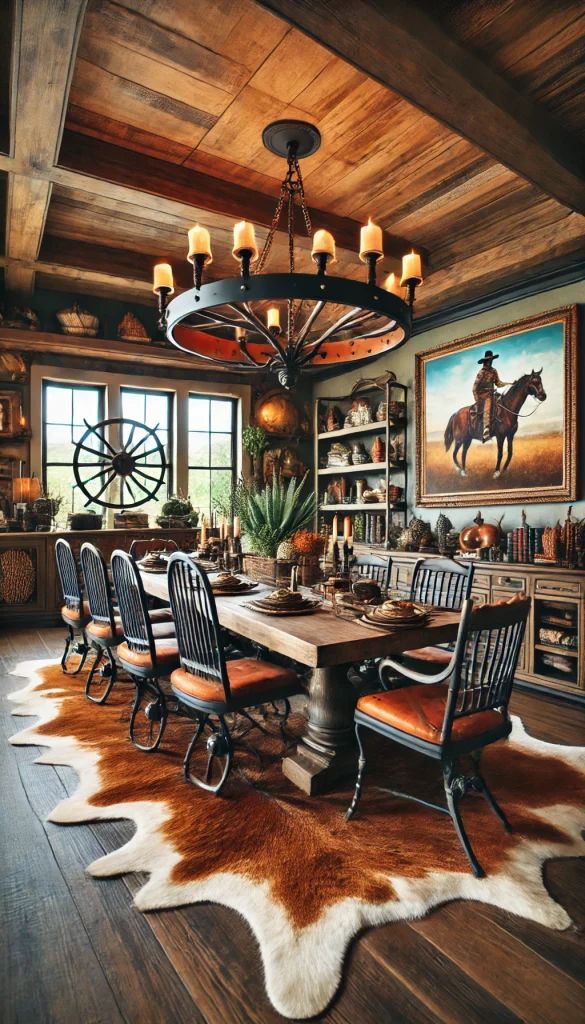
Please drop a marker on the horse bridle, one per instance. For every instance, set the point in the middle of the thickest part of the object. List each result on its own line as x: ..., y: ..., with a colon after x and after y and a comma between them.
x: 523, y: 415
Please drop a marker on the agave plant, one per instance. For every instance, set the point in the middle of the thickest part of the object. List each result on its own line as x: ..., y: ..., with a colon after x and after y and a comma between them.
x: 273, y: 514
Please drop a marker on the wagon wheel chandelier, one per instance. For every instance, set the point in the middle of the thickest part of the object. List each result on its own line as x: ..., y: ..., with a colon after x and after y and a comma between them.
x: 288, y: 322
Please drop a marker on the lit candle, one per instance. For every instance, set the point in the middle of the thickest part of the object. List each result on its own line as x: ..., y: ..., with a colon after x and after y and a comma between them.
x: 273, y: 318
x: 371, y: 240
x: 347, y: 528
x: 323, y: 242
x: 199, y: 243
x: 203, y: 541
x: 163, y: 277
x: 244, y: 240
x: 411, y: 268
x: 237, y: 527
x: 392, y: 284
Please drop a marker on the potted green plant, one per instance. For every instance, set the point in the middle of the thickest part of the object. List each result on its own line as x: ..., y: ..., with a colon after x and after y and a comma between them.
x: 177, y: 512
x: 269, y: 518
x: 254, y: 442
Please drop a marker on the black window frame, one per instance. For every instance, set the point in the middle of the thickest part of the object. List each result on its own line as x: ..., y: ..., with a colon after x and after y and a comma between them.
x: 233, y: 402
x: 68, y: 385
x: 170, y: 463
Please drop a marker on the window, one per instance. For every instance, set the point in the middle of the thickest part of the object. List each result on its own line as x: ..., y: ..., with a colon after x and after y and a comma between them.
x: 153, y: 408
x: 64, y: 409
x: 212, y: 455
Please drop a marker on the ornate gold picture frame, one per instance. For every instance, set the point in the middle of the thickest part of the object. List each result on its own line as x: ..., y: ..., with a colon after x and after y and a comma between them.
x: 505, y: 432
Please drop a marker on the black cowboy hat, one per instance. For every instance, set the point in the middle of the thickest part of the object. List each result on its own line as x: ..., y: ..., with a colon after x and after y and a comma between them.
x: 489, y: 356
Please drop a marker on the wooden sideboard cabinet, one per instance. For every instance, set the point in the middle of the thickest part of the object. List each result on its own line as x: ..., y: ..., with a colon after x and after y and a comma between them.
x: 29, y: 585
x: 558, y: 606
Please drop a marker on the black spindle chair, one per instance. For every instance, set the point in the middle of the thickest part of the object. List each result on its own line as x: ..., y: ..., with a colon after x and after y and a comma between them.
x: 74, y: 612
x: 444, y: 583
x: 208, y: 686
x: 447, y: 722
x: 105, y: 629
x: 148, y: 652
x: 377, y: 569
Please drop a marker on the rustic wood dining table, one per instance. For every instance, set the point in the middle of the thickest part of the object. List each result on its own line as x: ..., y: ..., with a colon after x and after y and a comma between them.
x: 328, y: 645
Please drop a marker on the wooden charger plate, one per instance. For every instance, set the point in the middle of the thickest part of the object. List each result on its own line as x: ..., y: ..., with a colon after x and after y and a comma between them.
x: 313, y: 607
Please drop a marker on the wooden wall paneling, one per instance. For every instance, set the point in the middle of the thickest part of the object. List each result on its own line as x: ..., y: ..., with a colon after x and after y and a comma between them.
x: 43, y: 65
x: 479, y: 272
x: 117, y: 165
x: 408, y: 52
x: 221, y: 27
x: 537, y: 46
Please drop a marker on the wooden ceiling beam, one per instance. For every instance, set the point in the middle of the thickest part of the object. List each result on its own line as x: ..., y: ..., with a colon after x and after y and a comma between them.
x: 114, y: 164
x: 45, y: 38
x: 404, y: 49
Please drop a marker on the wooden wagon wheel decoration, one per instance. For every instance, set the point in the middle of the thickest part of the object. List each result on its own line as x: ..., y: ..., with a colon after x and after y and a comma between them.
x: 139, y: 461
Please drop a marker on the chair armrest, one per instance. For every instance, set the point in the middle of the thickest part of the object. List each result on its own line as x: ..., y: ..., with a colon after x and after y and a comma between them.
x: 410, y: 674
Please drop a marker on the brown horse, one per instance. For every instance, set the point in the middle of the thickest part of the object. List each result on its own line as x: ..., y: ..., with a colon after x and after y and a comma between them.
x: 462, y: 429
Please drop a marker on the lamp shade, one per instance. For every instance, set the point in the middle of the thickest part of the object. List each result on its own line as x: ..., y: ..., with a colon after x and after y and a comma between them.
x: 26, y: 489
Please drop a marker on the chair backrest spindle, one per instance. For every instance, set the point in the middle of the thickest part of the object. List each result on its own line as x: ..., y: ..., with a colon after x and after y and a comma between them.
x: 196, y: 622
x: 442, y: 582
x: 486, y: 656
x: 132, y: 604
x: 97, y: 585
x: 68, y: 575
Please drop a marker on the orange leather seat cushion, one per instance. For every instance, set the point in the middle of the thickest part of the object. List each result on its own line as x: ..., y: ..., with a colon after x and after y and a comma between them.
x: 167, y: 656
x: 419, y: 711
x: 101, y: 630
x: 250, y: 680
x: 75, y: 616
x: 429, y: 655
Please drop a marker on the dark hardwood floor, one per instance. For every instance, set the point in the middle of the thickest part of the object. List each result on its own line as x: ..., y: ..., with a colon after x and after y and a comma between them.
x: 75, y: 951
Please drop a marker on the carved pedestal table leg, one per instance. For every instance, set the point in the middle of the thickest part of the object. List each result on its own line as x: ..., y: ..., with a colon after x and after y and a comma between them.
x: 327, y: 752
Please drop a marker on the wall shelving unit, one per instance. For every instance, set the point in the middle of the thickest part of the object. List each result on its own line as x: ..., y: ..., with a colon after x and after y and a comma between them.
x: 392, y: 470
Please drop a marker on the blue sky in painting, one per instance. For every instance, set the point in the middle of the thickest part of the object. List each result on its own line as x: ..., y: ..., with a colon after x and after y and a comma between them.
x: 449, y: 378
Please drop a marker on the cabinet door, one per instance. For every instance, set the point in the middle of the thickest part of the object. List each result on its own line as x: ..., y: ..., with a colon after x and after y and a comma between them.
x: 23, y: 577
x: 524, y: 659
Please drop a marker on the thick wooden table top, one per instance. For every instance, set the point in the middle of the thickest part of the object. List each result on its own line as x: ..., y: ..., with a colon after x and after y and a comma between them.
x: 319, y: 639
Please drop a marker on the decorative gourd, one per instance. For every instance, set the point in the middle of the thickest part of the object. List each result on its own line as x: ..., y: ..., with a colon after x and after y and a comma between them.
x: 285, y: 551
x: 480, y: 534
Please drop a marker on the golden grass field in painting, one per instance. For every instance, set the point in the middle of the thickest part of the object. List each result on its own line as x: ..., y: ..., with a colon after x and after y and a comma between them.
x: 537, y: 461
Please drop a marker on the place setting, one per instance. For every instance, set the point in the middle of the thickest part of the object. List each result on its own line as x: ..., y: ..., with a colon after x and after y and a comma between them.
x: 230, y: 584
x: 396, y: 614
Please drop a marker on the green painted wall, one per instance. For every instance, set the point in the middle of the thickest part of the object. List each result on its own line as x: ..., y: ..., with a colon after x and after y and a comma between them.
x: 402, y: 363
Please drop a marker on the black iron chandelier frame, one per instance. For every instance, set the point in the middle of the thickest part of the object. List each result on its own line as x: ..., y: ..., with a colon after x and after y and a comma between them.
x: 224, y: 307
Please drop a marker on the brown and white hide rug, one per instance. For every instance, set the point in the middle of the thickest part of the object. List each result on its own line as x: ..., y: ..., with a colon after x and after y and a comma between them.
x: 305, y: 879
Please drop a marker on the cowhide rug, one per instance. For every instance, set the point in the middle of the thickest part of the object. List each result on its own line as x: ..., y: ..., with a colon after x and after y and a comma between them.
x: 305, y: 879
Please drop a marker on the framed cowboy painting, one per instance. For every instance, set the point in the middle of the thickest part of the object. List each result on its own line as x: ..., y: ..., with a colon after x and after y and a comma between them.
x: 497, y: 415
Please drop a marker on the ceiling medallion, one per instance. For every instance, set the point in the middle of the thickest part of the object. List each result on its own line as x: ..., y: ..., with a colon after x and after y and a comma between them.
x: 288, y: 322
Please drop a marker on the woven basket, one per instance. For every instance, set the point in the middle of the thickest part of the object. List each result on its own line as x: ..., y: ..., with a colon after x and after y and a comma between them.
x: 267, y: 570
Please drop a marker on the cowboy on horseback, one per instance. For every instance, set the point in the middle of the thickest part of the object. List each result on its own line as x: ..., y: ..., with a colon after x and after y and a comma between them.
x: 484, y: 386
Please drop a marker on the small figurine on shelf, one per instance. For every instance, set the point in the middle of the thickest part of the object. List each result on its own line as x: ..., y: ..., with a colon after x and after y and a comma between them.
x: 332, y: 419
x: 360, y: 413
x: 444, y: 525
x: 378, y: 452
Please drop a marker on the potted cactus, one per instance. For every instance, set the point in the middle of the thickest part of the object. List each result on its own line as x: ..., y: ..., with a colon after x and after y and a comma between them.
x: 270, y: 517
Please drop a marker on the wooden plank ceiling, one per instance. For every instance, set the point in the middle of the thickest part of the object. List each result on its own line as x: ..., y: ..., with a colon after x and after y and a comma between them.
x: 131, y: 120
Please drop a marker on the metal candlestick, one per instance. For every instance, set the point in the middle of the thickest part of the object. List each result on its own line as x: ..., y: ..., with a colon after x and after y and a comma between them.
x: 163, y: 298
x: 199, y: 261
